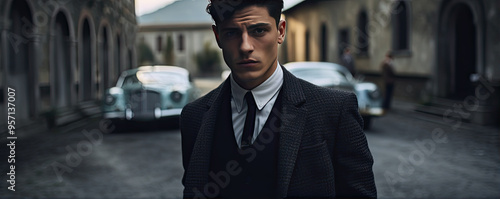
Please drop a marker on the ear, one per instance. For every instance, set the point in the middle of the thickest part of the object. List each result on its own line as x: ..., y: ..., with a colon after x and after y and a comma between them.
x: 216, y: 33
x: 281, y: 31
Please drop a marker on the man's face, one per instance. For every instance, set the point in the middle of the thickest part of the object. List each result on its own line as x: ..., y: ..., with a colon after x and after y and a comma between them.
x: 249, y: 42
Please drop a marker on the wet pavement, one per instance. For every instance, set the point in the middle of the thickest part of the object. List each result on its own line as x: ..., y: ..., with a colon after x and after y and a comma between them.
x: 416, y: 156
x: 422, y: 156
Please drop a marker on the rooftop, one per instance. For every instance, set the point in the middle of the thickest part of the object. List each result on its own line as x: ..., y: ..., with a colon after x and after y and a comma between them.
x: 179, y: 12
x: 188, y: 12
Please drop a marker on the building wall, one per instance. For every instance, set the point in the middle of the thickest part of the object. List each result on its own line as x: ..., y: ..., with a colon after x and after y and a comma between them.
x: 46, y: 44
x: 492, y: 64
x: 195, y: 36
x: 432, y: 65
x: 343, y: 15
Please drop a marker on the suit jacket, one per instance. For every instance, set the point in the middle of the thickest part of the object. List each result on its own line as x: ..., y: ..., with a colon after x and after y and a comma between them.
x: 323, y: 151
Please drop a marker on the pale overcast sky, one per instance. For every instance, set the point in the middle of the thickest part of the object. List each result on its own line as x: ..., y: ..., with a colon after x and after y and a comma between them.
x: 147, y: 6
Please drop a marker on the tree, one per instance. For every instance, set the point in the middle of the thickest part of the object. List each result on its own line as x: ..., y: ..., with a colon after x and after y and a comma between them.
x: 146, y: 56
x: 168, y: 53
x: 208, y: 59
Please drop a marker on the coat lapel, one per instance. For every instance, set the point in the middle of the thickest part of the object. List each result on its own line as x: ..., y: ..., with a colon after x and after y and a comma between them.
x: 200, y: 159
x: 293, y: 123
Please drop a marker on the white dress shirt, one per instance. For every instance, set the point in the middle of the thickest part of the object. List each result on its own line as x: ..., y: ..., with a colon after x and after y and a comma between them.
x: 265, y: 96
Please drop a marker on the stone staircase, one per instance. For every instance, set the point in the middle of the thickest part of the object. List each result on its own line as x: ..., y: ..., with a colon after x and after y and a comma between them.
x: 467, y: 111
x: 59, y: 118
x: 82, y: 110
x: 438, y: 107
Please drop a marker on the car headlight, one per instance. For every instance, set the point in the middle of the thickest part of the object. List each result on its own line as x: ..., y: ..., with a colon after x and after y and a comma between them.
x: 110, y: 100
x: 176, y: 96
x: 374, y: 94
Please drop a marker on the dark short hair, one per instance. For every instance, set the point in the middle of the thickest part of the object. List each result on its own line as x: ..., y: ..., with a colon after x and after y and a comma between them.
x: 390, y: 54
x: 221, y: 10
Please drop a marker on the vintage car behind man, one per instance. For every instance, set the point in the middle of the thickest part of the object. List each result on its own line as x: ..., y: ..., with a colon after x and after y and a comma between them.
x: 335, y: 76
x: 149, y: 93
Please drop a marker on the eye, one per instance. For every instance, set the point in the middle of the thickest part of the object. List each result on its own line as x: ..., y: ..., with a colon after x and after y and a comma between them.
x: 259, y: 31
x: 230, y: 33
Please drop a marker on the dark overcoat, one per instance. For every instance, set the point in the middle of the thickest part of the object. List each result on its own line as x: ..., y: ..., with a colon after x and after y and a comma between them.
x: 323, y: 151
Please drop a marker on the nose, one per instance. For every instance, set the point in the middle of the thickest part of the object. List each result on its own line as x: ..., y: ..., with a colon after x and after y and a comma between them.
x: 246, y: 46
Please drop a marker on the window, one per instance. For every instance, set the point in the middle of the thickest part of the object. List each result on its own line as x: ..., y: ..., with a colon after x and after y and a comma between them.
x: 324, y: 42
x: 363, y: 36
x: 400, y: 26
x: 159, y: 43
x: 307, y: 46
x: 181, y: 43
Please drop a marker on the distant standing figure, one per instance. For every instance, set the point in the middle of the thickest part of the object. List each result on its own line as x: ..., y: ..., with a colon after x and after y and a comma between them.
x: 389, y: 79
x: 348, y: 61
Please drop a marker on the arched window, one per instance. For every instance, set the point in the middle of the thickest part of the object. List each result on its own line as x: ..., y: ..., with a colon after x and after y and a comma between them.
x: 362, y: 31
x: 400, y: 26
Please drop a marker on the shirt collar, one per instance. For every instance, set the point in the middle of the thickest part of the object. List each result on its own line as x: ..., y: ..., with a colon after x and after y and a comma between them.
x: 262, y: 93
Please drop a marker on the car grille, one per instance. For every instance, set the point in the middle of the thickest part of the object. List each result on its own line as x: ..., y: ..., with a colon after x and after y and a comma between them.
x: 143, y: 103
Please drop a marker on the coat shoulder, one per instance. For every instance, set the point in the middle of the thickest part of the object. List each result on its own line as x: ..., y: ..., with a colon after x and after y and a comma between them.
x: 194, y: 110
x: 204, y: 101
x: 318, y: 94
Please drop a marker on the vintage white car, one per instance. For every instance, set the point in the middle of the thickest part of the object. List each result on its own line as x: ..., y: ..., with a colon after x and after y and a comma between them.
x: 149, y: 93
x: 335, y: 76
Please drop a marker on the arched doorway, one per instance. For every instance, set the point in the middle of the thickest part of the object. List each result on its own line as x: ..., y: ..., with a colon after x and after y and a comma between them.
x: 61, y: 63
x: 463, y: 54
x: 86, y: 62
x: 118, y: 57
x: 104, y: 61
x: 20, y: 73
x: 460, y: 48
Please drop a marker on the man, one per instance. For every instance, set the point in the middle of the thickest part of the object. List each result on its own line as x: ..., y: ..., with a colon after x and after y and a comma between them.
x: 389, y: 78
x: 348, y: 61
x: 263, y: 133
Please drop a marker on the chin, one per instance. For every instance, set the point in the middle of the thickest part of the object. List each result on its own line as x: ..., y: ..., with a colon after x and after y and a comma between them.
x: 248, y: 76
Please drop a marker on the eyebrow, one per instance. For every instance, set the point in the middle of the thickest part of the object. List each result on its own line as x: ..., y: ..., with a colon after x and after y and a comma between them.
x: 257, y: 25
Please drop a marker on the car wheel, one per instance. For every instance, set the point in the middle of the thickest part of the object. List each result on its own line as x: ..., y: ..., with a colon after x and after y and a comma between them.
x: 367, y: 121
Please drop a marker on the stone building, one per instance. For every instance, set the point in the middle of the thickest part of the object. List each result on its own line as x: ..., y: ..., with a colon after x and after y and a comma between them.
x: 60, y: 55
x: 446, y: 51
x: 188, y: 25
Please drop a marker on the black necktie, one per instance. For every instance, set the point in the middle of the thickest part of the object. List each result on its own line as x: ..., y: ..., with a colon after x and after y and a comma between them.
x: 246, y: 138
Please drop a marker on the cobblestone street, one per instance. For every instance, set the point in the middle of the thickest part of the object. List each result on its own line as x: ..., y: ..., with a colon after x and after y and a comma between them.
x: 138, y: 164
x: 412, y: 160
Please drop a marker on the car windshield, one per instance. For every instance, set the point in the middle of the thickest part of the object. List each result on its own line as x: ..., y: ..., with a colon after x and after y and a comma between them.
x: 163, y: 78
x: 318, y: 73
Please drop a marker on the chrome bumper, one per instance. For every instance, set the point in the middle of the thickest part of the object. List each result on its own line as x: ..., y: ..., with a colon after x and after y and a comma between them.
x: 128, y: 114
x: 372, y: 111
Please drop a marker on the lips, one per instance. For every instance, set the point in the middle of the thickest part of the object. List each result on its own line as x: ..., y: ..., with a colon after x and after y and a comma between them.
x: 247, y: 62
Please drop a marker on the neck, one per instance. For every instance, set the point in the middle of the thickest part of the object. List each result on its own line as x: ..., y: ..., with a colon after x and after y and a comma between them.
x: 251, y: 84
